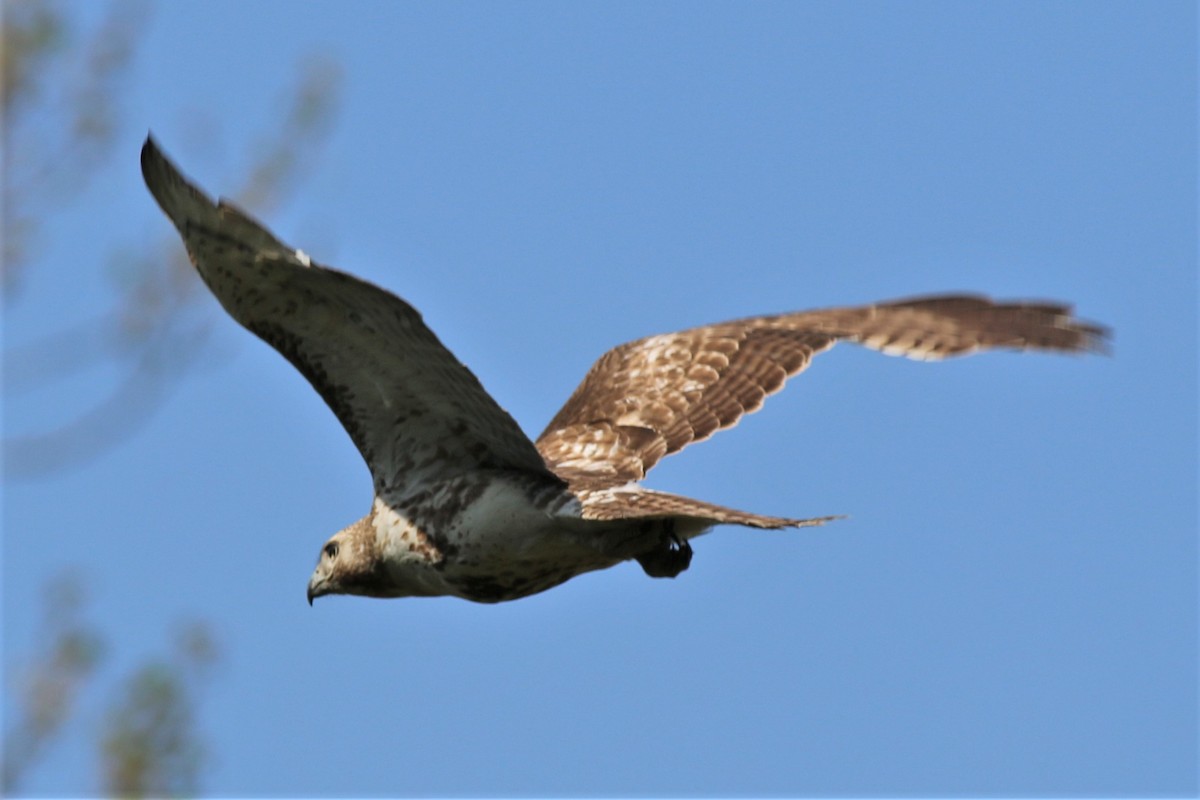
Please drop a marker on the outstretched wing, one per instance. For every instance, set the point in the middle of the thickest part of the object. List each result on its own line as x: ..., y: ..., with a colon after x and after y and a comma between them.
x: 653, y: 397
x: 413, y: 410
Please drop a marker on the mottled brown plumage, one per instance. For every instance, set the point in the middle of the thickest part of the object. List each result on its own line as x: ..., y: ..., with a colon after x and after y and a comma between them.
x: 652, y: 397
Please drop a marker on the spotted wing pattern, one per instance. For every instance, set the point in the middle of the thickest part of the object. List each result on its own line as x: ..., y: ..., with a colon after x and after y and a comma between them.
x: 411, y: 408
x: 652, y: 397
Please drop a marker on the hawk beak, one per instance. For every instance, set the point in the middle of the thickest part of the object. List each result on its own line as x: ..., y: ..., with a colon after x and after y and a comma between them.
x: 316, y: 588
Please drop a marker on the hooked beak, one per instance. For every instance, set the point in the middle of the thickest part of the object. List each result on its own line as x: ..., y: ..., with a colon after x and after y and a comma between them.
x: 316, y: 588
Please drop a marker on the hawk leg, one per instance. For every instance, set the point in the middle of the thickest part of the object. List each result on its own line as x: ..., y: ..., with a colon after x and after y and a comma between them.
x: 670, y: 557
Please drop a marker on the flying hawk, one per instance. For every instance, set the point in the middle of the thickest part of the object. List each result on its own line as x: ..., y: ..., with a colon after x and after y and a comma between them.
x: 465, y: 504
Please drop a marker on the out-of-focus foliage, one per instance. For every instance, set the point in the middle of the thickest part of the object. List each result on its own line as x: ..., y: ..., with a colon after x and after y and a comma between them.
x: 48, y: 685
x: 60, y: 78
x: 149, y: 744
x: 61, y: 109
x: 61, y: 118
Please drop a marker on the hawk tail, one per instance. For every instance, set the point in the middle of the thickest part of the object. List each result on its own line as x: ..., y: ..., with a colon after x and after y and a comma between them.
x: 639, y: 503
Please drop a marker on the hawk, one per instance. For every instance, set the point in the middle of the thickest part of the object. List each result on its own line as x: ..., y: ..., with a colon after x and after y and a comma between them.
x: 465, y: 504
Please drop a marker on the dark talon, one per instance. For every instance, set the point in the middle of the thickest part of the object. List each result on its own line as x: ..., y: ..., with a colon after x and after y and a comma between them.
x: 671, y: 557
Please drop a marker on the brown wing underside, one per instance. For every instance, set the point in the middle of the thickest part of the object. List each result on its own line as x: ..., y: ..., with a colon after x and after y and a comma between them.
x: 652, y: 397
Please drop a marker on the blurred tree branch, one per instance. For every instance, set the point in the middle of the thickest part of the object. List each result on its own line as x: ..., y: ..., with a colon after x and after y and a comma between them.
x: 156, y: 327
x: 149, y: 748
x: 60, y: 111
x: 47, y: 687
x: 60, y: 119
x: 148, y: 745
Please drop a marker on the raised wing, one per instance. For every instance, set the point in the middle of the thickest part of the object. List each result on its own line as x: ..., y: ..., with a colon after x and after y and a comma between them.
x: 653, y: 397
x: 413, y: 410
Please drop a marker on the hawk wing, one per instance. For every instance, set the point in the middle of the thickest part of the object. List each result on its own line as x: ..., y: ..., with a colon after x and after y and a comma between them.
x: 413, y: 410
x: 652, y: 397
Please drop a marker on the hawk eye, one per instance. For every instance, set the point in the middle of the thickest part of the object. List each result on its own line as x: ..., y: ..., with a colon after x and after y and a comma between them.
x: 331, y: 549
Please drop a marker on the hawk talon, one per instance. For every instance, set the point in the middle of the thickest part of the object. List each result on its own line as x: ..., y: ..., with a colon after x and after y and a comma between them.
x: 672, y: 556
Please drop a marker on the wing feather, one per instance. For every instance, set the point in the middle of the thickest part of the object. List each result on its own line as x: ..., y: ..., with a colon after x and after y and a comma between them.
x: 412, y: 409
x: 652, y: 397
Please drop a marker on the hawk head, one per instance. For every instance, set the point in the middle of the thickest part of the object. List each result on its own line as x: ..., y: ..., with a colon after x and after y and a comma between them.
x: 348, y: 564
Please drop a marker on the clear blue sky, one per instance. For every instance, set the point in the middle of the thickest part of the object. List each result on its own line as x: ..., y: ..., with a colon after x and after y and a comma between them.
x: 1011, y: 607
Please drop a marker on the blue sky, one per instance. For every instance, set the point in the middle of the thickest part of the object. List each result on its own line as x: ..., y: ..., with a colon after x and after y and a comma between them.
x: 1011, y: 606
